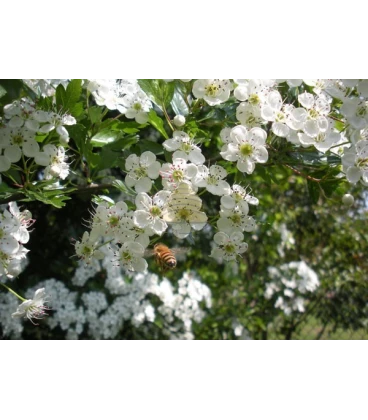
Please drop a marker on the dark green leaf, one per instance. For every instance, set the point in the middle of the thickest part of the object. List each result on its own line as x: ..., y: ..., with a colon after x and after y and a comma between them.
x: 147, y: 145
x: 314, y: 191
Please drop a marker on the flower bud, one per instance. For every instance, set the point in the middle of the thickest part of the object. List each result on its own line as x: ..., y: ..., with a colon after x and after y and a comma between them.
x: 179, y: 120
x: 348, y: 200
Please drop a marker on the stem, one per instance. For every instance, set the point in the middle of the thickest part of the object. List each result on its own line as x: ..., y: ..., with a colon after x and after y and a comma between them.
x: 301, y: 174
x: 167, y: 118
x: 12, y: 291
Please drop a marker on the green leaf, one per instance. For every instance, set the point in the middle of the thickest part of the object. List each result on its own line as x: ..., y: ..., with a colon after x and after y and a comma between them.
x: 157, y: 122
x: 105, y: 137
x: 159, y: 91
x: 57, y: 200
x: 95, y: 114
x: 314, y: 191
x: 73, y: 93
x: 66, y: 99
x: 78, y: 133
x: 147, y: 145
x: 13, y: 90
x: 60, y: 96
x: 2, y: 91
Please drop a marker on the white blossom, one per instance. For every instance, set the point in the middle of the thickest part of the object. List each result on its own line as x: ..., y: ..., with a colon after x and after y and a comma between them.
x: 173, y: 174
x: 141, y: 171
x: 183, y: 147
x: 229, y: 247
x: 150, y: 211
x: 33, y: 308
x: 212, y: 179
x: 213, y: 91
x: 246, y: 148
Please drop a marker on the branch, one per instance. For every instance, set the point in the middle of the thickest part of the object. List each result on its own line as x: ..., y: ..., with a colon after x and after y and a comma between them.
x: 90, y: 189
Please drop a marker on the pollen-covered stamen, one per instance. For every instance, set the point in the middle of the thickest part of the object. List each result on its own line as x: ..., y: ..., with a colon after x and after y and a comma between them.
x: 362, y: 163
x: 212, y: 90
x: 178, y: 175
x: 254, y: 99
x: 139, y: 173
x: 155, y: 211
x: 313, y: 114
x: 184, y: 214
x: 229, y: 248
x: 17, y: 140
x: 280, y: 117
x: 137, y: 106
x: 246, y: 150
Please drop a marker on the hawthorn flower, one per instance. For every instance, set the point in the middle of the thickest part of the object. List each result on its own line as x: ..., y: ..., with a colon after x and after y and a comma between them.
x: 150, y: 211
x: 135, y: 105
x: 238, y: 197
x: 274, y: 111
x: 25, y: 222
x: 246, y: 148
x: 314, y: 117
x: 15, y: 142
x: 141, y: 171
x: 236, y: 219
x: 173, y: 174
x: 20, y: 113
x: 228, y: 246
x: 323, y: 141
x: 183, y: 147
x: 355, y: 110
x: 183, y: 211
x: 212, y: 179
x: 108, y: 221
x: 355, y: 162
x: 213, y: 91
x: 87, y: 248
x: 254, y: 91
x: 54, y: 159
x: 249, y: 115
x: 33, y: 308
x: 131, y: 257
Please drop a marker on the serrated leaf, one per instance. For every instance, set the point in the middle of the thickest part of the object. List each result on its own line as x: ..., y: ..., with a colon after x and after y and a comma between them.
x: 13, y: 90
x: 157, y: 122
x: 55, y: 200
x: 78, y: 133
x: 60, y: 95
x: 95, y: 114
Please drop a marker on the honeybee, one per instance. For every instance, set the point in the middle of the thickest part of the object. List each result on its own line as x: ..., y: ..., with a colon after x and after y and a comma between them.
x: 164, y: 256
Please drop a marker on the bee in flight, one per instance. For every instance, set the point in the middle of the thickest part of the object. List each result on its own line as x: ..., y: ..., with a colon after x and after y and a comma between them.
x: 164, y: 256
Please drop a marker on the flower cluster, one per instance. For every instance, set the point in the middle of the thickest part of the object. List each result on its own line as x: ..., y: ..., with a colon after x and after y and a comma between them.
x: 90, y: 314
x: 22, y: 123
x: 289, y: 284
x: 124, y: 95
x: 14, y: 225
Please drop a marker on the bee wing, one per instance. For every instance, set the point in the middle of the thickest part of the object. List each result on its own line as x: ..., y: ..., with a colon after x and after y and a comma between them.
x: 148, y: 253
x: 180, y: 251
